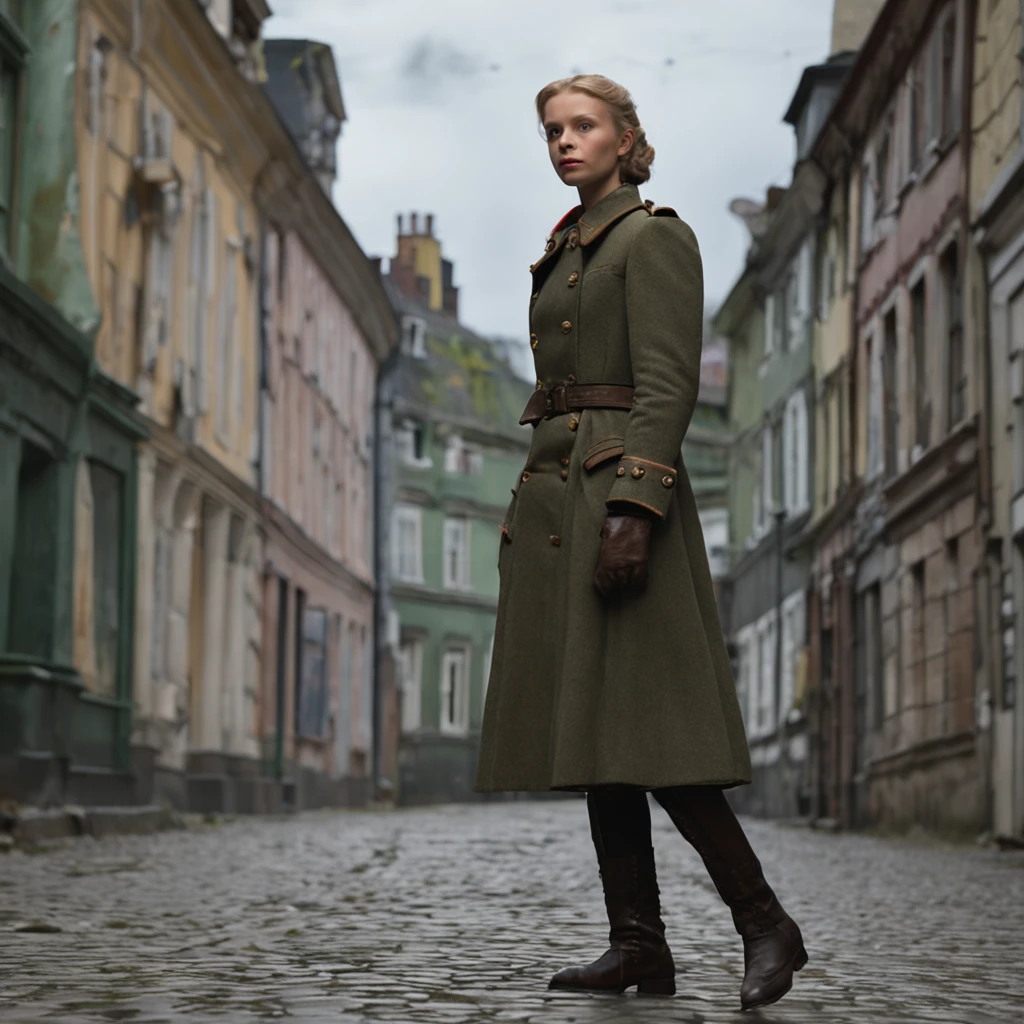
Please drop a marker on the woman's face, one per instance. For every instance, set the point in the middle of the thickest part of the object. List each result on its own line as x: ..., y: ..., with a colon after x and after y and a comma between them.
x: 584, y: 142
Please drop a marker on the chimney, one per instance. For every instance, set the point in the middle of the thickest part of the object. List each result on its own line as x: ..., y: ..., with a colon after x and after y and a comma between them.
x: 399, y: 218
x: 430, y: 224
x: 375, y: 262
x: 415, y: 225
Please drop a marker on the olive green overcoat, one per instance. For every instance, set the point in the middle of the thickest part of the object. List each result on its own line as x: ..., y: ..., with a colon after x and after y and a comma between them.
x: 636, y: 689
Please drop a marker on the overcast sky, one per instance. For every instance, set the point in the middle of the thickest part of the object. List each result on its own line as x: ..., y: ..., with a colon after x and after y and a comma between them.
x: 440, y: 95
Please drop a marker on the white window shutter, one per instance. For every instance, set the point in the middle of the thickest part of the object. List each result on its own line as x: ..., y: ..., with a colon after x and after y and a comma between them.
x: 769, y: 324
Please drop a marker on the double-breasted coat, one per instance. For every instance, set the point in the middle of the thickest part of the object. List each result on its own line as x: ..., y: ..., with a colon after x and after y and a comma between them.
x: 635, y: 689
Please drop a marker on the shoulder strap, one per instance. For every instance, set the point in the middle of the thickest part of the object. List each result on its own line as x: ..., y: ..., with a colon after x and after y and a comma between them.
x: 659, y: 211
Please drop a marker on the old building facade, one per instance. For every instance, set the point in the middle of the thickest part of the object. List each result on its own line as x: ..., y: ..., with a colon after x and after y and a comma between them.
x: 327, y: 326
x: 453, y: 406
x: 68, y: 449
x: 995, y: 277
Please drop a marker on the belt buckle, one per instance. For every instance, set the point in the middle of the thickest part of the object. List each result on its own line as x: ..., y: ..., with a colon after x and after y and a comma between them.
x: 554, y: 401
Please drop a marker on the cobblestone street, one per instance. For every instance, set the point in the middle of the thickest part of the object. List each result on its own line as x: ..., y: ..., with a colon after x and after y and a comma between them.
x: 462, y: 913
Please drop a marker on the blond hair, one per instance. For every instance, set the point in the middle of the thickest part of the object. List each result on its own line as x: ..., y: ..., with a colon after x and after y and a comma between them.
x: 636, y: 164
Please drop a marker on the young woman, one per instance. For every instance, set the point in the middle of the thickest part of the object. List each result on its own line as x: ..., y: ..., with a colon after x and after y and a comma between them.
x: 609, y: 672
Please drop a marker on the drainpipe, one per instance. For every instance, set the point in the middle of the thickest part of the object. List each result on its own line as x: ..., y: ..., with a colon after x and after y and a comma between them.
x: 784, y: 767
x: 382, y: 413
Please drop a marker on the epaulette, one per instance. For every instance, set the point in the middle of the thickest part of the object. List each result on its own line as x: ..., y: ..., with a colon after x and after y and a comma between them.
x: 659, y: 211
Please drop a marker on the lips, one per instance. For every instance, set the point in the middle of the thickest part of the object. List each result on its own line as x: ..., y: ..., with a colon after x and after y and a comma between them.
x: 570, y: 163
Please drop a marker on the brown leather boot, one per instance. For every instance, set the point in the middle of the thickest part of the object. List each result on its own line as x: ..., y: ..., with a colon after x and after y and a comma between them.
x: 773, y: 948
x: 638, y: 954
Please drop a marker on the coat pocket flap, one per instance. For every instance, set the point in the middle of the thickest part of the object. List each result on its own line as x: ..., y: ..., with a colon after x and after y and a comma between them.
x: 601, y: 451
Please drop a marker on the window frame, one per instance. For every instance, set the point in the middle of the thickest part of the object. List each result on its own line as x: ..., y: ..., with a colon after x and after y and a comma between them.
x: 461, y: 579
x: 457, y: 724
x: 412, y: 515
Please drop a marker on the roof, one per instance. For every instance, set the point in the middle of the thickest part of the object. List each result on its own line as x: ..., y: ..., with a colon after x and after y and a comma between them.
x: 290, y: 63
x: 464, y: 379
x: 834, y: 68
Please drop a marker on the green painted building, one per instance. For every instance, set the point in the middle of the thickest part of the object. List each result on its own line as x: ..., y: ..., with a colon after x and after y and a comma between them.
x: 453, y: 405
x: 68, y: 438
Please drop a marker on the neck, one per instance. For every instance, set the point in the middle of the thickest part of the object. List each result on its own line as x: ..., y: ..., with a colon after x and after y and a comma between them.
x: 592, y: 194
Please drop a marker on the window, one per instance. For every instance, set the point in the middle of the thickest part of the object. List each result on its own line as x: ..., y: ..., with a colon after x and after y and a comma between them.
x: 456, y: 554
x: 793, y: 625
x: 202, y: 266
x: 107, y: 503
x: 227, y: 350
x: 890, y: 388
x: 312, y: 680
x: 882, y: 155
x: 918, y: 112
x: 769, y: 325
x: 410, y: 667
x: 409, y: 443
x: 795, y: 454
x: 949, y: 272
x: 13, y: 52
x: 867, y: 211
x: 826, y: 446
x: 768, y: 471
x: 949, y: 114
x: 414, y: 336
x: 455, y: 692
x: 922, y: 403
x: 766, y: 683
x: 407, y: 555
x: 916, y: 675
x: 873, y: 655
x: 460, y: 458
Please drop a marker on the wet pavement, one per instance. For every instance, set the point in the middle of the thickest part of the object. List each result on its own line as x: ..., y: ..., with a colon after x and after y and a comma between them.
x: 463, y: 913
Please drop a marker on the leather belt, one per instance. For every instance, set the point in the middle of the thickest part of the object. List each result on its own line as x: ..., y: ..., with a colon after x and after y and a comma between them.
x: 563, y: 398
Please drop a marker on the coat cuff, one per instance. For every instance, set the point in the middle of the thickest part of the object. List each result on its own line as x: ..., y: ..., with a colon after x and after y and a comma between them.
x: 645, y: 483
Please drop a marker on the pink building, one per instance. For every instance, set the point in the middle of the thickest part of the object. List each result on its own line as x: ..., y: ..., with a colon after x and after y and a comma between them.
x: 327, y: 326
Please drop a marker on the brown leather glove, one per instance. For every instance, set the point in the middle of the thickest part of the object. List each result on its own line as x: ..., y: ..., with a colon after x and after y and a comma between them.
x: 622, y: 564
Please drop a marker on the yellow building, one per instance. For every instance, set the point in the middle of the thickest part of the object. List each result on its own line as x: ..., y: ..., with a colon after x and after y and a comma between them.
x: 995, y: 295
x: 174, y: 145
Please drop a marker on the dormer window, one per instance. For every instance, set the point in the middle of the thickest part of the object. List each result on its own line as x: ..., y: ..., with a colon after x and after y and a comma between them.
x: 414, y: 337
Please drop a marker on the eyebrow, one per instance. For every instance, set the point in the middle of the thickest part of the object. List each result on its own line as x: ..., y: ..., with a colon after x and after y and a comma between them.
x: 579, y: 117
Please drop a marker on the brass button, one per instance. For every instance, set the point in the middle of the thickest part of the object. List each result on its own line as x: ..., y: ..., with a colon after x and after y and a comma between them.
x: 526, y: 476
x: 540, y: 386
x: 535, y: 296
x: 638, y: 471
x: 570, y: 379
x: 555, y: 541
x: 573, y: 423
x: 621, y: 471
x: 574, y: 238
x: 565, y: 474
x: 565, y: 462
x: 566, y: 326
x: 573, y: 279
x: 534, y: 341
x: 668, y: 481
x: 550, y: 246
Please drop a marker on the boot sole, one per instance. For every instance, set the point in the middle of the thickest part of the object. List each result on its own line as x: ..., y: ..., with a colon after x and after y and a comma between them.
x: 650, y: 987
x: 799, y: 963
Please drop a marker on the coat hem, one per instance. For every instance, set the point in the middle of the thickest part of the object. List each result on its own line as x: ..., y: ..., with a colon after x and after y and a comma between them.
x: 583, y: 787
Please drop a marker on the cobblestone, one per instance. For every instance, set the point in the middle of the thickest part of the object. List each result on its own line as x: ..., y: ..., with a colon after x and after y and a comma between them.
x: 462, y: 913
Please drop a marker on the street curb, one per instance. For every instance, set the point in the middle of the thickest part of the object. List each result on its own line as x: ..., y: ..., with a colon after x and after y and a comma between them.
x: 29, y: 825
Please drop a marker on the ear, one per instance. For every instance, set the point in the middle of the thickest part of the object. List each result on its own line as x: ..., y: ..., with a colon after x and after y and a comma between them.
x: 626, y: 142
